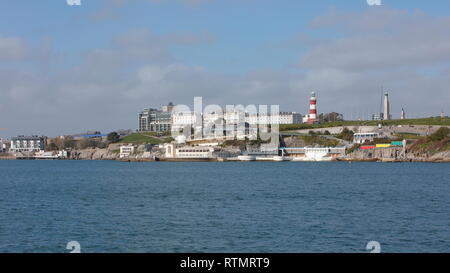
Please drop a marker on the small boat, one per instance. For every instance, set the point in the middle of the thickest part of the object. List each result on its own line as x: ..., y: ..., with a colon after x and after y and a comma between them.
x: 279, y: 158
x: 247, y: 158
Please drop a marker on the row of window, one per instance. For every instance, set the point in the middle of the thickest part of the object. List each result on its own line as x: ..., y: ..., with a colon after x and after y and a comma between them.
x: 193, y: 155
x: 193, y: 151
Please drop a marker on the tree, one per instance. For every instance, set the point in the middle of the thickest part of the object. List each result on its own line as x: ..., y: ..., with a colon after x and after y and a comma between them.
x: 113, y: 137
x: 88, y: 143
x: 346, y: 134
x: 69, y: 143
x: 52, y: 146
x: 332, y: 117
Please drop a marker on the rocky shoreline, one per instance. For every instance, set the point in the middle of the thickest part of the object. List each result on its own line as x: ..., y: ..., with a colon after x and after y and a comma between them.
x: 397, y: 155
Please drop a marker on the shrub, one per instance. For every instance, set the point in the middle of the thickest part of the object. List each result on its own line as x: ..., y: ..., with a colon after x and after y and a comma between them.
x: 440, y: 134
x: 346, y: 134
x: 113, y: 137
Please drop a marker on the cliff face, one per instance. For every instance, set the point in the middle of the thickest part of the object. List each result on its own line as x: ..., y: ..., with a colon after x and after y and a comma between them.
x: 94, y: 154
x: 111, y: 153
x: 382, y: 153
x: 441, y: 157
x: 396, y: 154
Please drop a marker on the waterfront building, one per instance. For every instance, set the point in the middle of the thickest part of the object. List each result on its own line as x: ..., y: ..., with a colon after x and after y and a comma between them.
x: 361, y: 138
x: 313, y: 154
x: 28, y: 144
x: 51, y: 155
x: 229, y: 125
x: 183, y: 122
x: 154, y: 120
x: 214, y: 125
x: 194, y: 152
x: 188, y: 152
x: 126, y: 151
x: 2, y: 146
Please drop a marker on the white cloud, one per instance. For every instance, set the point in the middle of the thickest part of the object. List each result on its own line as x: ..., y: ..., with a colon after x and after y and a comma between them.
x: 12, y: 48
x: 407, y: 53
x: 380, y: 39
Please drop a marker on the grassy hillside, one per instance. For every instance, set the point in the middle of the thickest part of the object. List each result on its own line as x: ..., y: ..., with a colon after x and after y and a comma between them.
x: 422, y: 121
x: 437, y: 142
x: 144, y: 138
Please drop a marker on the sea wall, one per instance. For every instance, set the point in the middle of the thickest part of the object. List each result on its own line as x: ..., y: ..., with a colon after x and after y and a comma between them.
x: 380, y: 153
x: 397, y: 154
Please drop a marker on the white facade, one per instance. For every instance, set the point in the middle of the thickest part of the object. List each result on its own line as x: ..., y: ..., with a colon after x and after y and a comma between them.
x: 186, y: 152
x: 51, y: 155
x: 194, y: 152
x: 2, y: 146
x: 126, y: 151
x: 314, y: 154
x: 180, y: 120
x: 230, y: 124
x: 361, y: 138
x: 28, y: 144
x: 279, y: 118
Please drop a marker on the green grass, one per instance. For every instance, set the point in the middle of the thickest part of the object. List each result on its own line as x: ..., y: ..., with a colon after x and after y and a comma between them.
x: 141, y: 138
x: 423, y: 121
x: 312, y: 139
x: 156, y: 134
x: 409, y: 136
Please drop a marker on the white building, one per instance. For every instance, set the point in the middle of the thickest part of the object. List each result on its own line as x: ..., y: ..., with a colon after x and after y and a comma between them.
x: 276, y: 118
x: 184, y: 120
x: 2, y: 146
x: 232, y: 124
x: 28, y: 144
x: 313, y: 154
x: 361, y: 138
x: 154, y: 120
x: 188, y: 152
x: 194, y: 152
x: 126, y: 151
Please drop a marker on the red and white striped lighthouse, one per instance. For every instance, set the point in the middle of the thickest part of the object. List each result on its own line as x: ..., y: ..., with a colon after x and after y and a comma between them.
x: 312, y: 116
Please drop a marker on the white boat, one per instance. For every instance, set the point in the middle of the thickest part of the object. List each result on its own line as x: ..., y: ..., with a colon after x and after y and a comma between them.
x: 247, y: 158
x: 312, y: 159
x: 279, y: 158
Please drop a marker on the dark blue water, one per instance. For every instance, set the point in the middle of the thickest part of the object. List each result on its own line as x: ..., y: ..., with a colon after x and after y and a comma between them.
x: 223, y: 207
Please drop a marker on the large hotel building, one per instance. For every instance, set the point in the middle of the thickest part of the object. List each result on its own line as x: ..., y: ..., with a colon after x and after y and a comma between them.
x: 155, y: 120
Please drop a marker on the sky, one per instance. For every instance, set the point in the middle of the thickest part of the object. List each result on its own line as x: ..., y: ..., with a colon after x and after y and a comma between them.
x: 68, y: 69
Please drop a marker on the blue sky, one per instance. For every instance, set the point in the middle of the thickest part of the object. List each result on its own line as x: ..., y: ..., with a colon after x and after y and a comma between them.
x: 249, y: 50
x: 243, y: 30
